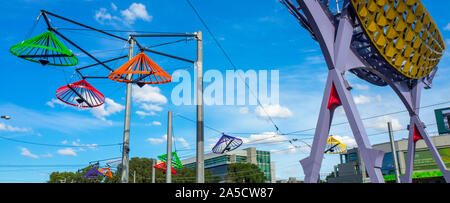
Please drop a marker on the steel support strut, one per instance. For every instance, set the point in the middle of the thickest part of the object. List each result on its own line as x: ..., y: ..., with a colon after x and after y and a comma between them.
x: 339, y: 57
x: 417, y: 131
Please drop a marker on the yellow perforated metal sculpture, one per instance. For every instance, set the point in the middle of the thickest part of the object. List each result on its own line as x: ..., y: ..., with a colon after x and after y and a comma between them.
x: 334, y: 146
x: 404, y: 33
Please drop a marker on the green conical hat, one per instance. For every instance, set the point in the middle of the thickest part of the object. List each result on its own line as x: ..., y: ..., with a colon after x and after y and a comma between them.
x: 176, y: 163
x: 45, y: 49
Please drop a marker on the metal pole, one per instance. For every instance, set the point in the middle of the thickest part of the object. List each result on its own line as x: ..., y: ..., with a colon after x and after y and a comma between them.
x: 169, y: 149
x: 200, y: 166
x: 153, y: 170
x: 126, y: 130
x: 394, y: 153
x: 134, y: 176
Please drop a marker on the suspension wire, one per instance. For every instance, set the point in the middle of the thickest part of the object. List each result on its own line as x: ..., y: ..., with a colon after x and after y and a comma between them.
x: 58, y: 145
x: 91, y: 35
x: 232, y: 64
x: 186, y: 118
x: 376, y: 116
x: 131, y: 31
x: 167, y: 43
x: 33, y: 27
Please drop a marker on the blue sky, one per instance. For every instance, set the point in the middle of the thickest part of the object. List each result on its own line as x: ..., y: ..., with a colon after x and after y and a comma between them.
x: 257, y: 35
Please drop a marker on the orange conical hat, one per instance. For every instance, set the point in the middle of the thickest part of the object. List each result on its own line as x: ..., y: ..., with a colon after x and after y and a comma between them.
x: 142, y: 70
x: 106, y: 172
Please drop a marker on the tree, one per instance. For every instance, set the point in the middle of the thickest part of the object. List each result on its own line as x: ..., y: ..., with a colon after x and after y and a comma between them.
x: 244, y: 173
x: 187, y: 175
x: 143, y: 169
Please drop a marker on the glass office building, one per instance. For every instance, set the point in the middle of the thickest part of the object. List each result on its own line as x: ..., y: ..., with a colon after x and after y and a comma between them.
x: 218, y: 163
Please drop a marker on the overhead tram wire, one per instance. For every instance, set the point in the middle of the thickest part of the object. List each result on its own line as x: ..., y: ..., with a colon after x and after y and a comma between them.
x: 58, y: 145
x: 129, y: 31
x: 231, y: 62
x: 372, y: 117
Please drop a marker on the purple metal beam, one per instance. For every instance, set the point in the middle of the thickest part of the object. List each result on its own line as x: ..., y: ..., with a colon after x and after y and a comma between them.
x: 336, y: 50
x: 340, y: 58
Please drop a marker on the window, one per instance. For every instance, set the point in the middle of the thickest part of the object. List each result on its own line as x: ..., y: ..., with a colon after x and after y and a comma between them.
x: 352, y: 157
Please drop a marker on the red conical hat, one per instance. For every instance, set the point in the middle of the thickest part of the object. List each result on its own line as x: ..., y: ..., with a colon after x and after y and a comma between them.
x: 80, y: 94
x: 163, y: 168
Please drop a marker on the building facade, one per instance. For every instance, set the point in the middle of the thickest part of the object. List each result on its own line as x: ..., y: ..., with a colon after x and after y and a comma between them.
x: 218, y: 163
x: 351, y: 167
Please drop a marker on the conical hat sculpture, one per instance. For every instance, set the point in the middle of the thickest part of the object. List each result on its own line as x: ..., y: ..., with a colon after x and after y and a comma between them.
x: 175, y: 160
x: 106, y: 172
x: 45, y: 49
x: 80, y: 94
x: 334, y: 146
x: 226, y: 143
x: 93, y: 173
x: 163, y: 168
x: 140, y: 70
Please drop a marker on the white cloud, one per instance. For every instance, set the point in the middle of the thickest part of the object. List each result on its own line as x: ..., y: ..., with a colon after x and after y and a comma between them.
x: 346, y: 140
x: 361, y: 87
x: 52, y: 102
x: 292, y: 149
x: 315, y: 59
x: 163, y: 139
x: 264, y: 138
x: 380, y: 123
x: 9, y: 128
x: 134, y: 12
x: 361, y: 99
x: 113, y: 6
x: 26, y: 152
x: 183, y: 142
x: 156, y: 140
x: 90, y: 146
x: 47, y: 155
x: 447, y: 27
x: 274, y: 111
x: 110, y: 107
x: 151, y: 107
x: 102, y: 16
x: 67, y: 152
x: 148, y: 94
x: 128, y: 16
x: 143, y: 114
x: 149, y: 99
x: 243, y: 110
x: 155, y: 123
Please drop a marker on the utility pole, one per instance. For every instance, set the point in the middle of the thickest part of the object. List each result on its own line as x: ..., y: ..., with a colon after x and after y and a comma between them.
x: 169, y: 149
x: 126, y: 130
x: 153, y: 170
x: 394, y: 153
x: 200, y: 166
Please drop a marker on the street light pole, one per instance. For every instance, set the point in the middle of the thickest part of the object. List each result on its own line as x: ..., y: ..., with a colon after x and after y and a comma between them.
x: 126, y: 130
x: 200, y: 166
x: 169, y: 149
x: 394, y: 153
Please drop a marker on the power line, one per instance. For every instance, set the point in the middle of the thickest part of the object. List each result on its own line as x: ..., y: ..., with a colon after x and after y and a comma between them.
x: 131, y: 31
x: 231, y: 62
x: 59, y: 145
x: 372, y: 117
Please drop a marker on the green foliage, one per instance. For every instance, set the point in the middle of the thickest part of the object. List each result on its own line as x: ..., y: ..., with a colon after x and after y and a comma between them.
x: 244, y: 173
x: 187, y: 175
x: 142, y: 167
